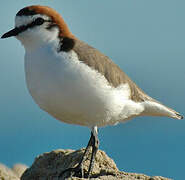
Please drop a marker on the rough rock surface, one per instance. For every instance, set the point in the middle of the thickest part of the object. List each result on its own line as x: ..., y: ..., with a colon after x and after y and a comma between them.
x: 19, y: 169
x: 12, y: 174
x: 49, y: 165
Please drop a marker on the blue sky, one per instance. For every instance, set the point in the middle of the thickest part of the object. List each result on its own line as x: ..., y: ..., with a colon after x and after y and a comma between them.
x: 147, y: 40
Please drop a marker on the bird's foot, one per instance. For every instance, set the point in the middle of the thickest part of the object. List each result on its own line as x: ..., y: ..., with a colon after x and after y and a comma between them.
x: 73, y: 172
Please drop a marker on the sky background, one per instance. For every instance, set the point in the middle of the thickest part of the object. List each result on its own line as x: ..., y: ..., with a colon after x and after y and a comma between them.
x: 146, y: 39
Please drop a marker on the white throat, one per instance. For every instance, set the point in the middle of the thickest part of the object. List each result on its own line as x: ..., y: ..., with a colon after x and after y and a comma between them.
x: 40, y: 38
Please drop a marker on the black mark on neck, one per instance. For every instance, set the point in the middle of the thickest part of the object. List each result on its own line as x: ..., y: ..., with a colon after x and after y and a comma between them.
x: 66, y: 44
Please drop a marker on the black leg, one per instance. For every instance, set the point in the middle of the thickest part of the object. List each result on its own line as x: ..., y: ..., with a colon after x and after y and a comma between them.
x: 95, y: 147
x: 78, y: 169
x: 80, y: 165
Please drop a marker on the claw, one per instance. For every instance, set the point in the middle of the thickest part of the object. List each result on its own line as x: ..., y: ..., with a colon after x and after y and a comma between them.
x: 77, y: 172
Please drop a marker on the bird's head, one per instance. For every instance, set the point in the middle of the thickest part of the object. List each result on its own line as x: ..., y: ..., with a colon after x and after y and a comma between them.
x: 37, y: 24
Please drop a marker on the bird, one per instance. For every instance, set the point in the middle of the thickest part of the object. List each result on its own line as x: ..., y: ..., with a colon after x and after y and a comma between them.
x: 76, y: 83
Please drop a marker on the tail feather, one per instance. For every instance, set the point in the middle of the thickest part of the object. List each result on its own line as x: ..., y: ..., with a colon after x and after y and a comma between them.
x: 152, y: 108
x: 178, y: 116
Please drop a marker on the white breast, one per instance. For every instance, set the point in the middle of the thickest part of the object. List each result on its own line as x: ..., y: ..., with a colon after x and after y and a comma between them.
x: 74, y: 93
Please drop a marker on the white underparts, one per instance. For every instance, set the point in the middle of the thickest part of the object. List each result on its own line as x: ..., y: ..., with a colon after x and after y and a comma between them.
x: 74, y: 93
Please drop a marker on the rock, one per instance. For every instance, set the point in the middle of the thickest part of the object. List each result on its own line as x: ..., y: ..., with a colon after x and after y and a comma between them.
x: 7, y: 174
x: 49, y: 165
x: 11, y: 174
x: 19, y: 169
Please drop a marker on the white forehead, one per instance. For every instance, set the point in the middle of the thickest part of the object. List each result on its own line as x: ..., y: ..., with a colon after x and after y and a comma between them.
x: 24, y: 20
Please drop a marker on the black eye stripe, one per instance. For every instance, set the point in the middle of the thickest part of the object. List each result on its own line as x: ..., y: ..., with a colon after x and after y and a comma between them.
x: 37, y: 22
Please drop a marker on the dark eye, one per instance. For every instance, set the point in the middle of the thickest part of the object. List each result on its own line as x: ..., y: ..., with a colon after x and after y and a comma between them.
x: 39, y: 21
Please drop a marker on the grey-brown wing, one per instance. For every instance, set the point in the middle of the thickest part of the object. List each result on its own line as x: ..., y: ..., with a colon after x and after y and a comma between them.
x: 104, y: 65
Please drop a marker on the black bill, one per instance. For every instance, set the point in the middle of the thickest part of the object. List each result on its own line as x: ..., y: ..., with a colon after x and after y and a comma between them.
x: 13, y: 32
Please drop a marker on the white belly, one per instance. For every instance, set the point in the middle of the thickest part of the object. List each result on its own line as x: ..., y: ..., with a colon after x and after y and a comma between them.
x: 74, y: 93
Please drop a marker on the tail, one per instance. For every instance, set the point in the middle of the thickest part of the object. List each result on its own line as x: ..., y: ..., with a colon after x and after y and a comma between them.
x: 154, y: 108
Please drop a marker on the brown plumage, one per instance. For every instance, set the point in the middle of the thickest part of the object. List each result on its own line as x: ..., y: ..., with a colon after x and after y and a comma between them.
x: 104, y: 65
